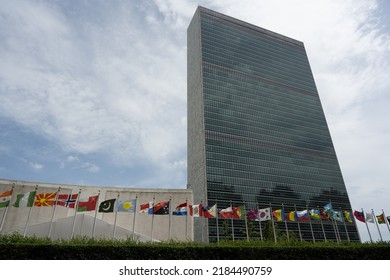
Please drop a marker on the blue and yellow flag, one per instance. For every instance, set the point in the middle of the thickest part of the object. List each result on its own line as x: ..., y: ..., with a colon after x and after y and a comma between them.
x: 127, y: 205
x: 279, y: 215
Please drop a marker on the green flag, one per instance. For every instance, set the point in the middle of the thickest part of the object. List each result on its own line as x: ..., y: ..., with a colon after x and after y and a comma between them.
x: 107, y: 206
x: 25, y: 199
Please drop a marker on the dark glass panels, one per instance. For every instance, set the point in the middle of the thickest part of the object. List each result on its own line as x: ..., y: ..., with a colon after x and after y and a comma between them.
x: 257, y: 133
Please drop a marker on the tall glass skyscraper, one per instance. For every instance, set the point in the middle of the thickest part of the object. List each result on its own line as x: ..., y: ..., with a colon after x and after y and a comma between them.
x: 257, y: 134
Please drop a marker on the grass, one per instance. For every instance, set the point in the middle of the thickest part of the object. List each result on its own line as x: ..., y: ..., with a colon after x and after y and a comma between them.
x: 17, y: 238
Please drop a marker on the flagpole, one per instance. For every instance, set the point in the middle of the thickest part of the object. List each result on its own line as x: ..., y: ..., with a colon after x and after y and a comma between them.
x: 258, y: 217
x: 6, y: 209
x: 151, y: 230
x: 216, y: 217
x: 345, y: 225
x: 334, y: 225
x: 272, y: 221
x: 54, y: 211
x: 75, y: 213
x: 170, y: 219
x: 376, y: 222
x: 116, y: 215
x: 322, y: 224
x: 283, y: 215
x: 311, y: 227
x: 299, y: 226
x: 369, y: 233
x: 187, y: 213
x: 200, y: 210
x: 386, y: 221
x: 337, y: 230
x: 135, y: 210
x: 29, y: 213
x: 246, y: 223
x: 231, y: 219
x: 96, y: 211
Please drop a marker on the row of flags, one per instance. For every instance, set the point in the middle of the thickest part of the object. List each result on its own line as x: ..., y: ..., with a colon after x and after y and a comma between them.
x: 91, y: 203
x: 34, y: 199
x: 371, y: 218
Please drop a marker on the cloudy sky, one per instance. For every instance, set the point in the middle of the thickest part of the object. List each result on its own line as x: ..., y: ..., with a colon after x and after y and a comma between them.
x: 94, y: 92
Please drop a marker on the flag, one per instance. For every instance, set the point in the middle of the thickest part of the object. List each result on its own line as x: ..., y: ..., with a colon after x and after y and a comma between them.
x: 87, y: 204
x: 348, y: 216
x: 161, y: 208
x: 303, y: 215
x: 25, y: 199
x: 359, y: 216
x: 127, y: 205
x: 226, y: 213
x: 45, y: 199
x: 253, y: 215
x: 315, y: 214
x: 180, y: 210
x: 210, y: 212
x: 264, y: 214
x: 279, y: 215
x: 381, y: 219
x: 291, y: 216
x: 146, y: 208
x: 369, y: 218
x: 324, y: 215
x: 5, y: 198
x: 328, y: 207
x: 67, y: 200
x: 337, y: 216
x: 238, y: 212
x: 107, y: 206
x: 196, y: 210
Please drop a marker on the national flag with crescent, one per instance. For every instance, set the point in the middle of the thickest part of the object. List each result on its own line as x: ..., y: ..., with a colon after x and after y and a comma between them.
x: 45, y: 199
x: 264, y: 214
x: 5, y: 198
x: 127, y: 205
x: 67, y: 200
x: 107, y: 206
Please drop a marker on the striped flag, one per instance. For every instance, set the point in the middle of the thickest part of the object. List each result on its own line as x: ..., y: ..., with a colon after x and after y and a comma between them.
x: 5, y: 198
x: 25, y: 199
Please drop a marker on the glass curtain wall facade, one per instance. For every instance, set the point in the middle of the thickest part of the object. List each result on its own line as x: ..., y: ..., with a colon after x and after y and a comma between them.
x: 257, y: 133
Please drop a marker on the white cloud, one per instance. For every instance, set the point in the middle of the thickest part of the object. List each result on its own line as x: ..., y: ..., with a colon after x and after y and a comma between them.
x: 36, y: 166
x: 91, y: 167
